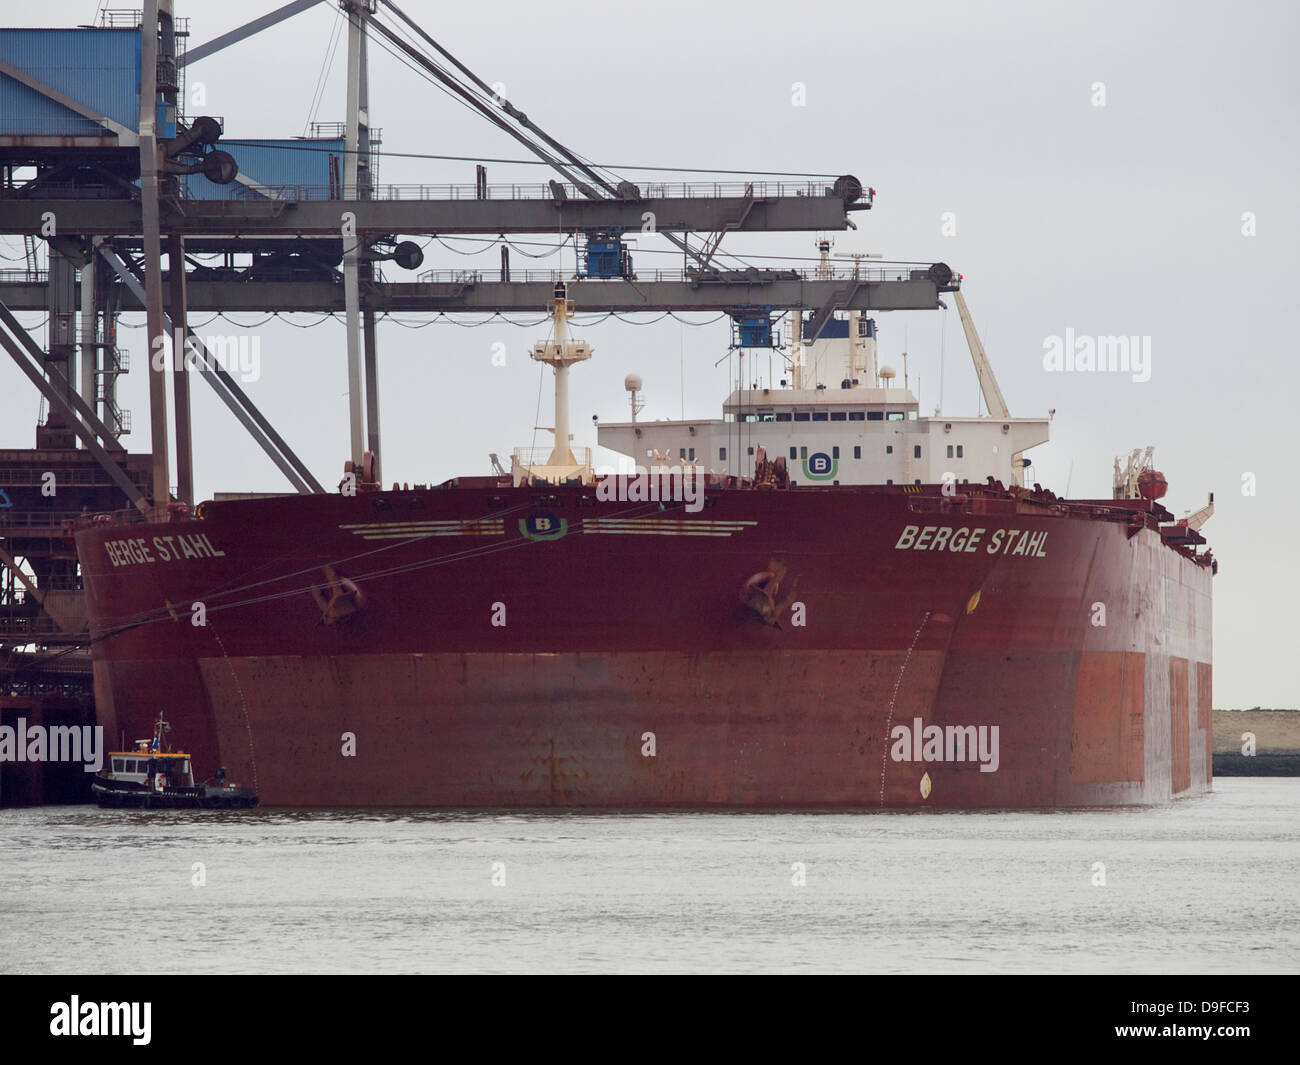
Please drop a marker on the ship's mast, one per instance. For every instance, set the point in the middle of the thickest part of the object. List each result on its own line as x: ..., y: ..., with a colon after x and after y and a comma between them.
x: 825, y: 271
x: 559, y: 353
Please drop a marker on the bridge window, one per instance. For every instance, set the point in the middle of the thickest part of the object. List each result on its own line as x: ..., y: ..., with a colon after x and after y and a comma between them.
x: 838, y: 416
x: 895, y: 416
x: 857, y: 416
x: 820, y: 416
x: 875, y: 415
x: 784, y: 417
x: 802, y: 417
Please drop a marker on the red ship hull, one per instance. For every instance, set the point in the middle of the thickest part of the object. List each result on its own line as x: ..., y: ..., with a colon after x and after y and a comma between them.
x: 473, y: 646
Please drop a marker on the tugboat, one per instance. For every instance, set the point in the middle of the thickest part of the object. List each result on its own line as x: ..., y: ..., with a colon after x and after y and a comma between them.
x: 153, y: 777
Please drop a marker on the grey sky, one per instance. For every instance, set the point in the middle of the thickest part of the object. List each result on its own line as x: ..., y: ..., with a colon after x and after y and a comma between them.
x: 1123, y: 219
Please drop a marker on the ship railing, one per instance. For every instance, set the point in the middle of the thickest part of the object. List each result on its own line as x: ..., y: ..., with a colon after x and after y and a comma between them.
x: 968, y: 502
x: 125, y: 516
x: 957, y: 503
x: 539, y: 456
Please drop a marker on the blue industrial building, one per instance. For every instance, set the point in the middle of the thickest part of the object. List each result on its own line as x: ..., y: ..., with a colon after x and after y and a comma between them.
x: 97, y: 68
x: 98, y: 71
x: 298, y: 168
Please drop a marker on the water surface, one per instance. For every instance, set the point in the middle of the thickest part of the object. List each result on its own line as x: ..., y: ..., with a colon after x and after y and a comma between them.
x: 1203, y: 885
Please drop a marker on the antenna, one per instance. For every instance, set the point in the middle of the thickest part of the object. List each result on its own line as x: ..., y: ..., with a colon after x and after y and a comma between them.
x: 824, y: 246
x: 633, y: 383
x: 560, y: 353
x: 681, y: 355
x: 857, y: 257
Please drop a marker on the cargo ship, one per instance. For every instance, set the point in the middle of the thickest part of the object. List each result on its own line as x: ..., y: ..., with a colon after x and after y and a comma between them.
x: 820, y: 600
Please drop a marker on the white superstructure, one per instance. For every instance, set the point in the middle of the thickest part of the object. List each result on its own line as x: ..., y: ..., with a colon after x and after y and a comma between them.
x: 861, y: 432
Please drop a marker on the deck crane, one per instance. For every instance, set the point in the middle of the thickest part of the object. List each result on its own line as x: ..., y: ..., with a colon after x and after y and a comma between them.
x: 993, y: 398
x: 1200, y: 517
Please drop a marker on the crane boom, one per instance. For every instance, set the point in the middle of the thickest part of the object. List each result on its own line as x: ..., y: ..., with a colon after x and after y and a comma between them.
x: 1196, y: 520
x: 997, y: 406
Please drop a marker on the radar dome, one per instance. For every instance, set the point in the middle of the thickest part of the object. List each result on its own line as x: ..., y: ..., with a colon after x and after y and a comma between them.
x: 888, y: 372
x: 632, y: 382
